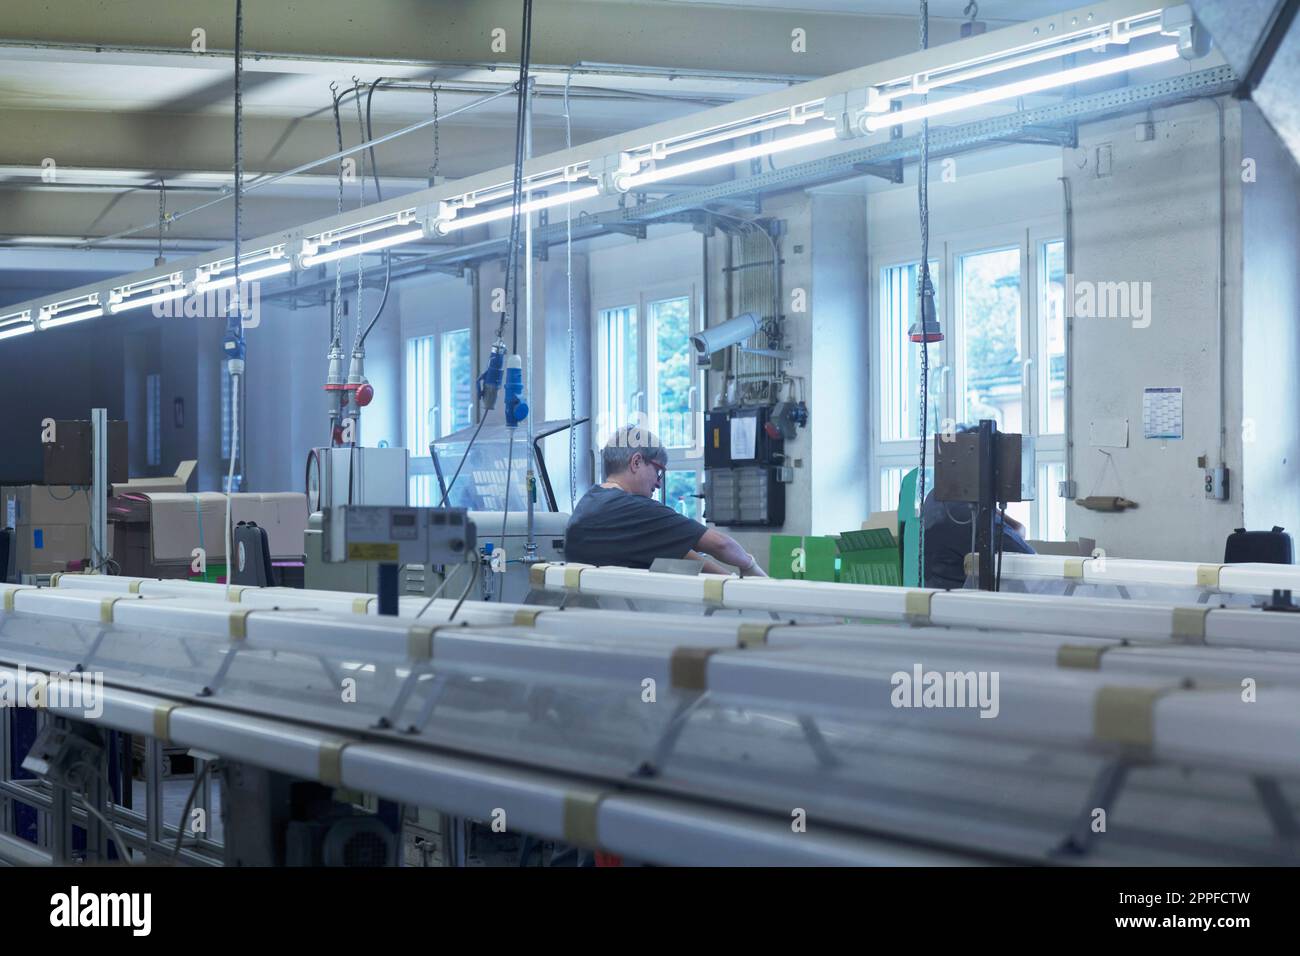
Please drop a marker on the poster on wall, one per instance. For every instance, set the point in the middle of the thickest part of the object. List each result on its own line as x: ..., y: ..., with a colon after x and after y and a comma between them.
x: 1162, y: 413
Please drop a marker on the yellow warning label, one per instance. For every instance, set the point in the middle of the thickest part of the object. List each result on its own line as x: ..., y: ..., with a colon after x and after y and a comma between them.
x: 376, y: 551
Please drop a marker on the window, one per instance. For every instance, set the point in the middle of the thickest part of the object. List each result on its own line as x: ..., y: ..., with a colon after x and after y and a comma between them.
x: 990, y: 377
x: 681, y: 490
x: 153, y: 418
x: 456, y: 394
x: 439, y: 401
x: 900, y: 374
x: 646, y: 375
x: 1001, y: 302
x: 620, y: 369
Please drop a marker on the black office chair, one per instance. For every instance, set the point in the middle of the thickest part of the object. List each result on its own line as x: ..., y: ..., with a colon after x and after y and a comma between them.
x: 252, y: 560
x: 8, y: 556
x: 1262, y: 547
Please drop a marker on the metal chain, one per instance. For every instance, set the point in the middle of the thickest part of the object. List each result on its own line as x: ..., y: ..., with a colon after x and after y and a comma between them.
x: 436, y: 127
x: 923, y: 274
x: 162, y: 215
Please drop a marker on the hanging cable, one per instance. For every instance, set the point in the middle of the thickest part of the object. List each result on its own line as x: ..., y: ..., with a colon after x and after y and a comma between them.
x: 379, y: 195
x: 234, y: 344
x: 923, y: 284
x: 162, y: 218
x: 568, y: 275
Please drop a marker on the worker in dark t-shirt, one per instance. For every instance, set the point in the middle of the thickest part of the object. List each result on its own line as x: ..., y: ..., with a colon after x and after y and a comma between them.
x: 620, y: 523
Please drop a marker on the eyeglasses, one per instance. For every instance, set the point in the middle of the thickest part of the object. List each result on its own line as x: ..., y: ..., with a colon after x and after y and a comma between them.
x: 660, y: 470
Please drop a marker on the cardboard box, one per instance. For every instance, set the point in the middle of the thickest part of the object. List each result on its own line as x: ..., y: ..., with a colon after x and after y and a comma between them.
x: 47, y: 548
x: 45, y: 504
x: 174, y: 484
x: 69, y: 458
x: 283, y: 514
x: 179, y: 523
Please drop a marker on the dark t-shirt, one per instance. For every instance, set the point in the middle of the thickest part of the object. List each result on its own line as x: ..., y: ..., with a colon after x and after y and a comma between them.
x: 612, y: 526
x: 948, y: 527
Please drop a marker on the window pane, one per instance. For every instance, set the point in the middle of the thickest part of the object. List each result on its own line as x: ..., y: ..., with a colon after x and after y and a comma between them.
x: 620, y: 371
x: 1053, y: 337
x: 1050, y: 507
x: 153, y: 418
x: 989, y: 301
x: 891, y: 485
x: 671, y: 372
x: 420, y: 405
x: 457, y: 391
x: 900, y: 373
x: 680, y: 490
x: 420, y: 491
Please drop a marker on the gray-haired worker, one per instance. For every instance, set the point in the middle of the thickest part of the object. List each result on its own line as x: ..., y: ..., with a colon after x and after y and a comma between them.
x: 618, y: 522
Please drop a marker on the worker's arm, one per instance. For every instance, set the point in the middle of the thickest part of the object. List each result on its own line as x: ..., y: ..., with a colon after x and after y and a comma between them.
x: 710, y: 566
x: 728, y: 550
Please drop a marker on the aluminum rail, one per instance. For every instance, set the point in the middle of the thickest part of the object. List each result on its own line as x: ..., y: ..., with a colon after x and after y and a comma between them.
x: 141, y: 644
x: 1249, y: 579
x: 1048, y: 614
x: 1085, y: 617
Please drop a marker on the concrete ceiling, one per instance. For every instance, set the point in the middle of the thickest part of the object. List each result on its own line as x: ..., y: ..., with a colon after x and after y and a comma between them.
x: 114, y: 95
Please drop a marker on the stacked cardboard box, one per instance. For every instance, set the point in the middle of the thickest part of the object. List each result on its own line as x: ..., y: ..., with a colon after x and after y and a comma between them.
x: 52, y: 524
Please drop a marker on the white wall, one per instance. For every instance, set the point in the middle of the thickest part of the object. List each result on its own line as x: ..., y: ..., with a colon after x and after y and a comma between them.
x: 1155, y: 218
x: 1269, y: 480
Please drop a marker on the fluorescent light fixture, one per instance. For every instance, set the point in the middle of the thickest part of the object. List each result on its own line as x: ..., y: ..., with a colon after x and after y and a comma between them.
x: 54, y: 321
x: 280, y: 268
x: 374, y: 244
x: 18, y: 330
x: 117, y: 307
x: 492, y: 215
x: 1038, y: 84
x: 824, y: 135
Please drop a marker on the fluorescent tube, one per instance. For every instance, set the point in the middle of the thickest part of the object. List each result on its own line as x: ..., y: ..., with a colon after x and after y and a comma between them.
x: 54, y: 321
x: 825, y: 135
x: 147, y: 300
x: 1038, y: 84
x: 374, y: 244
x: 280, y: 268
x: 546, y: 202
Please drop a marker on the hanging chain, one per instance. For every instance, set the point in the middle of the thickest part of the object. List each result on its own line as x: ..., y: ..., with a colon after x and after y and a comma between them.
x: 162, y: 217
x: 437, y: 126
x: 923, y: 275
x: 568, y: 272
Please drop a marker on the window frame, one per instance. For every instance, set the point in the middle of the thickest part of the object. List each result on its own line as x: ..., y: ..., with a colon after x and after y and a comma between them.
x: 641, y: 297
x: 947, y: 373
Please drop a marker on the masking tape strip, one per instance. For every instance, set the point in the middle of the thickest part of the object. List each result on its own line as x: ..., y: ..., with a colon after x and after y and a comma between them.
x: 580, y: 818
x: 162, y: 721
x: 573, y: 577
x: 754, y: 633
x: 106, y: 609
x: 134, y: 587
x: 331, y: 761
x: 9, y: 597
x: 713, y: 590
x: 233, y: 593
x: 1189, y: 624
x: 537, y: 575
x: 1126, y: 715
x: 1207, y: 575
x: 419, y: 642
x: 916, y: 605
x: 1083, y: 656
x: 239, y: 623
x: 527, y: 616
x: 689, y: 666
x: 1074, y: 568
x: 54, y: 578
x: 971, y: 564
x: 361, y: 605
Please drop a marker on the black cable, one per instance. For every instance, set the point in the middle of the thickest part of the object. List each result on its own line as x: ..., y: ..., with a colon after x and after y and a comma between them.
x: 388, y: 260
x: 463, y: 594
x: 516, y: 198
x: 997, y: 584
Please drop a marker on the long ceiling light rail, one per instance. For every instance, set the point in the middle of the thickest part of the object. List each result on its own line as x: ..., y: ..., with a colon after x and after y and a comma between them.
x: 714, y: 139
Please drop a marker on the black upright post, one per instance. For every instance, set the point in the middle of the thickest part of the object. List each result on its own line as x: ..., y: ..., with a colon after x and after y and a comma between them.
x: 388, y: 589
x: 985, y: 512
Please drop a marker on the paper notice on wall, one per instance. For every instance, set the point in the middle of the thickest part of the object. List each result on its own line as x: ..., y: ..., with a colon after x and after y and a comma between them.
x: 744, y: 437
x: 1162, y: 413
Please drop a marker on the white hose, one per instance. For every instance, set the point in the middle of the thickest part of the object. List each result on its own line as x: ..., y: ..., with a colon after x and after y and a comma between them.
x: 230, y: 476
